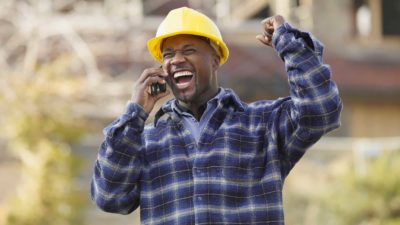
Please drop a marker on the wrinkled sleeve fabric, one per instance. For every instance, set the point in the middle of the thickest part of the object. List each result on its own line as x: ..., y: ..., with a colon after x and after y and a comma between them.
x: 115, y: 183
x: 314, y: 105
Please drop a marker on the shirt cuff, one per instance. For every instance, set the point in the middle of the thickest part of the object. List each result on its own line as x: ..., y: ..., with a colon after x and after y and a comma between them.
x: 286, y: 34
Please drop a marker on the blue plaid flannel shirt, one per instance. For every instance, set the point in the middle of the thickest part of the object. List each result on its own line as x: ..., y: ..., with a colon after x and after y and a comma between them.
x: 234, y: 174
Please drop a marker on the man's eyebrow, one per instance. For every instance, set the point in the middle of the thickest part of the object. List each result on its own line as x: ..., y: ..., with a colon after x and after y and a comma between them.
x: 185, y: 46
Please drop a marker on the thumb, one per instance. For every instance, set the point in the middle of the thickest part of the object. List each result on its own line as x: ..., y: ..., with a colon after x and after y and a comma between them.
x: 266, y: 40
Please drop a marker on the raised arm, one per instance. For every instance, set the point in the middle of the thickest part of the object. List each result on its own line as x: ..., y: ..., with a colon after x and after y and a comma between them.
x: 314, y: 105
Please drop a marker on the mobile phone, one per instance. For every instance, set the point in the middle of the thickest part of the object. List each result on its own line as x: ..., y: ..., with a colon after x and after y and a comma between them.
x: 157, y: 88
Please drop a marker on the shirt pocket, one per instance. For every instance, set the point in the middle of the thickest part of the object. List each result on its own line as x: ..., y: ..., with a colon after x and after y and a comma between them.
x: 244, y: 157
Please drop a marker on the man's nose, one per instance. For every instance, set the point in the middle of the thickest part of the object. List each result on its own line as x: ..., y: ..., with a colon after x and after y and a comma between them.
x: 178, y: 58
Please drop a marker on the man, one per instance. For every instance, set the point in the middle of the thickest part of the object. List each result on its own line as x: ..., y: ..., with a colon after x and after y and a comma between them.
x: 210, y: 158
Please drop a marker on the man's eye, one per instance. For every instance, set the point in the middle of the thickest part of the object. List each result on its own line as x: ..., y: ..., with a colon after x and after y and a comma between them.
x: 167, y: 55
x: 189, y: 51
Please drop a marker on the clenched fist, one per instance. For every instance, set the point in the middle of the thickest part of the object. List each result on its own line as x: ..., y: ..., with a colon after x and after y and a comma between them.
x: 270, y: 24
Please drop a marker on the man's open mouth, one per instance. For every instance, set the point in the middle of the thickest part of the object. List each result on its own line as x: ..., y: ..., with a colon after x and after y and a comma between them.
x: 183, y: 78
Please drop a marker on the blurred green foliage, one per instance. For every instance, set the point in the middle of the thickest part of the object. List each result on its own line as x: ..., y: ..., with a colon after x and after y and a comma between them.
x: 372, y: 198
x: 40, y: 125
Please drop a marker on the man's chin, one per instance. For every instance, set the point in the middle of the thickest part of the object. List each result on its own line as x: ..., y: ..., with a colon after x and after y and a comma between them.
x: 184, y: 96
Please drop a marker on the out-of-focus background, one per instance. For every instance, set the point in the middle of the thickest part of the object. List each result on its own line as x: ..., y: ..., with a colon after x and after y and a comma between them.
x: 67, y: 68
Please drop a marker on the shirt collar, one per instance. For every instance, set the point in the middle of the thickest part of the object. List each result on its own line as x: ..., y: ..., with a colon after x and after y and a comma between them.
x: 217, y: 98
x: 226, y: 97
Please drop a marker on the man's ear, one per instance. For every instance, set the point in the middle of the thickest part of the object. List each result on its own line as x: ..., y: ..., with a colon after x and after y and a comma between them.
x: 216, y: 60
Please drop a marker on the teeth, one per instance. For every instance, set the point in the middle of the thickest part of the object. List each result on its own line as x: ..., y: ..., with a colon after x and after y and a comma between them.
x: 182, y: 74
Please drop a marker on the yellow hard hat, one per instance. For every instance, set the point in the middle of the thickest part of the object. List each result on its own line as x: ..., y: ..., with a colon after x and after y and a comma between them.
x: 187, y: 21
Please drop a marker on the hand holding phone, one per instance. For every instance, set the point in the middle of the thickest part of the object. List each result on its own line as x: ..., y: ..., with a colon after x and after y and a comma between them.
x: 149, y: 88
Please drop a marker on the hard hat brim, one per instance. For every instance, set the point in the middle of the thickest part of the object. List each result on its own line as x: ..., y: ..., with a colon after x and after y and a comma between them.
x: 154, y: 45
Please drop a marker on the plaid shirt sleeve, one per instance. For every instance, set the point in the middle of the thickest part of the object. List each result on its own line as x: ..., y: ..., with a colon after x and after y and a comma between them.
x: 115, y: 184
x: 314, y: 105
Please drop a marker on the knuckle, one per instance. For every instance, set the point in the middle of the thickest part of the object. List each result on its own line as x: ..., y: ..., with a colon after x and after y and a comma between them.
x: 152, y: 80
x: 147, y: 71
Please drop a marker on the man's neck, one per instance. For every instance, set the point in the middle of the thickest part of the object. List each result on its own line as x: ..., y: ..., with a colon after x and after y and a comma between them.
x: 197, y: 108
